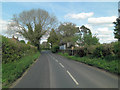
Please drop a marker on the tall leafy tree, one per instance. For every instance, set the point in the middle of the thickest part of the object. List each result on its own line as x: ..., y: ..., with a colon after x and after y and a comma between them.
x: 53, y: 39
x: 67, y: 32
x: 117, y: 29
x: 117, y: 34
x: 85, y: 37
x: 32, y: 25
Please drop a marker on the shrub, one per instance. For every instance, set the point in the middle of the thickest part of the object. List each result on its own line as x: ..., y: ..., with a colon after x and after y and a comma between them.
x: 28, y: 43
x: 14, y: 50
x: 91, y: 49
x: 98, y: 51
x: 107, y: 49
x: 81, y: 52
x: 22, y: 41
x: 103, y: 50
x: 55, y: 48
x: 116, y: 50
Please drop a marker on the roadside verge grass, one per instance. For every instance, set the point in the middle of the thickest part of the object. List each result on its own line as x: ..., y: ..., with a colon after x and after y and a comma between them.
x: 13, y: 70
x: 111, y: 66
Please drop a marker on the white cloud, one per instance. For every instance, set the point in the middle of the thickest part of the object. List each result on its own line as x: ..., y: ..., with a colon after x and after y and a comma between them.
x: 105, y: 35
x: 102, y: 20
x: 3, y: 26
x: 79, y: 15
x: 104, y: 30
x: 92, y: 28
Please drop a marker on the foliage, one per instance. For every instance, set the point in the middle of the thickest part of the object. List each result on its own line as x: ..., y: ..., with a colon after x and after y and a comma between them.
x: 13, y: 70
x: 28, y: 43
x: 85, y: 37
x: 117, y: 48
x: 117, y: 29
x: 22, y: 41
x: 53, y: 39
x: 13, y: 51
x: 81, y: 52
x: 103, y: 50
x: 45, y: 46
x: 32, y: 25
x: 98, y: 51
x: 55, y: 48
x: 67, y: 33
x: 111, y: 66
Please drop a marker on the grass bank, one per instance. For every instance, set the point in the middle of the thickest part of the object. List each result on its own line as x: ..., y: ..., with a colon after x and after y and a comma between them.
x: 111, y: 66
x: 13, y: 70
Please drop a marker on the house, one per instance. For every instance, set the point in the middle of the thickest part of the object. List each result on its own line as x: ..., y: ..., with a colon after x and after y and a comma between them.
x: 65, y: 46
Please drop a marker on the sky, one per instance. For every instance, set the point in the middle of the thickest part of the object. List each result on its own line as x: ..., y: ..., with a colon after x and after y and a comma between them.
x: 97, y: 16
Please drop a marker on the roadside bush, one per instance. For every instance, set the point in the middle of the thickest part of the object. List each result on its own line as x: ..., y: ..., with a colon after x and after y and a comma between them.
x: 107, y: 50
x: 22, y: 41
x: 98, y: 52
x: 81, y: 52
x: 14, y: 50
x: 103, y: 50
x: 116, y: 46
x: 91, y: 49
x: 55, y: 48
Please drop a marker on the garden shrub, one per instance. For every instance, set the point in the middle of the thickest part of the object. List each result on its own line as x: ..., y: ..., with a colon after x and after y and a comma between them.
x: 55, y: 48
x: 81, y: 52
x: 103, y: 50
x: 22, y: 41
x: 107, y: 49
x: 98, y: 52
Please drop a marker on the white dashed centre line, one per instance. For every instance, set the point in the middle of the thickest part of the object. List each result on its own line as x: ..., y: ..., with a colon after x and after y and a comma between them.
x: 72, y: 78
x: 61, y: 65
x: 56, y: 60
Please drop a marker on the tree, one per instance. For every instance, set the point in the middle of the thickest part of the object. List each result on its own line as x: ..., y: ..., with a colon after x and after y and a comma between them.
x: 45, y: 45
x: 117, y: 34
x: 67, y: 33
x: 117, y: 29
x: 85, y: 37
x: 32, y: 25
x: 53, y: 39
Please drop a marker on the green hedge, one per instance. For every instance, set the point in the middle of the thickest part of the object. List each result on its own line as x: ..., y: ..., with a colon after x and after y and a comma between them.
x: 13, y: 50
x: 16, y: 58
x: 111, y: 66
x: 55, y: 48
x: 13, y: 70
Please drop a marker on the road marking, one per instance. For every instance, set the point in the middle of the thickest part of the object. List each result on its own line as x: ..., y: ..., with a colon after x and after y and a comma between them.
x: 53, y: 58
x: 56, y: 60
x: 72, y: 78
x: 61, y: 65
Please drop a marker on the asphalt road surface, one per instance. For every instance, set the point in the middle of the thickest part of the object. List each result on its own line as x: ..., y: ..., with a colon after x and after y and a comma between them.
x: 54, y: 71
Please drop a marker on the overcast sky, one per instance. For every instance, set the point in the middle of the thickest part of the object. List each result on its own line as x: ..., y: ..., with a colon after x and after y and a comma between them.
x: 98, y: 16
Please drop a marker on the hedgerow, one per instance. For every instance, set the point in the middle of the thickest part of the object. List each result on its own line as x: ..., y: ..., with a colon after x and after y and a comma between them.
x: 14, y: 50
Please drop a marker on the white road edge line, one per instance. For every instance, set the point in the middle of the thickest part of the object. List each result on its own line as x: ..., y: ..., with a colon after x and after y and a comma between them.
x: 72, y: 78
x: 61, y: 65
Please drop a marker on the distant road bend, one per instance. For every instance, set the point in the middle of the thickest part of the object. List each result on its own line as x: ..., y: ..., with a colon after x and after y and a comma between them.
x: 54, y: 71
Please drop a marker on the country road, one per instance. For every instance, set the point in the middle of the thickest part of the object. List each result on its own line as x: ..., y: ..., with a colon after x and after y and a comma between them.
x: 54, y: 71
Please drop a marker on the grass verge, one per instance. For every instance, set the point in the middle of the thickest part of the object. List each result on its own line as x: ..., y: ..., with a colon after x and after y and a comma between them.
x: 13, y: 70
x: 111, y: 66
